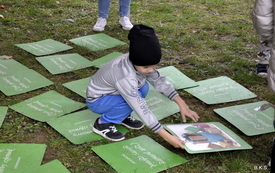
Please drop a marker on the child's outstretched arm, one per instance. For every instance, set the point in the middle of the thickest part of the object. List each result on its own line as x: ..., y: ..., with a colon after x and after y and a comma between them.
x: 185, y: 111
x: 173, y: 140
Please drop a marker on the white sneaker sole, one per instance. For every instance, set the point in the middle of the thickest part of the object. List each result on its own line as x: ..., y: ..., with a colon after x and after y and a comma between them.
x: 106, y: 137
x: 129, y: 127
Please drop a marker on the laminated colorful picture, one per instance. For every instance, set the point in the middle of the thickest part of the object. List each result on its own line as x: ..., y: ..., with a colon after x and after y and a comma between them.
x: 177, y: 78
x: 103, y: 60
x: 248, y: 118
x: 57, y: 64
x: 138, y: 155
x: 47, y: 106
x: 44, y: 47
x: 220, y: 90
x: 97, y: 42
x: 207, y: 137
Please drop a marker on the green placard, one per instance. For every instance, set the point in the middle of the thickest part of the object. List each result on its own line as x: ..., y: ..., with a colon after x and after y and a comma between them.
x: 207, y: 137
x: 8, y: 66
x: 220, y: 90
x: 78, y: 86
x: 140, y: 154
x: 44, y: 47
x: 54, y: 166
x: 21, y: 82
x: 77, y: 127
x: 19, y: 158
x: 97, y: 42
x: 3, y: 112
x: 47, y: 106
x: 177, y: 78
x: 57, y: 64
x: 159, y: 104
x: 103, y: 60
x: 247, y: 119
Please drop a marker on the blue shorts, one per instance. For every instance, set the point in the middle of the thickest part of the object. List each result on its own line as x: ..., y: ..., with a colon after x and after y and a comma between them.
x: 113, y: 108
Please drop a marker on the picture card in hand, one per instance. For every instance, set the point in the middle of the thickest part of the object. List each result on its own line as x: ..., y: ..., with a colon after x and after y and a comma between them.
x: 248, y: 119
x: 22, y: 82
x: 47, y: 106
x: 207, y: 137
x: 53, y: 166
x: 19, y: 158
x: 78, y: 86
x: 3, y: 112
x: 177, y: 78
x: 220, y: 90
x: 103, y: 60
x: 57, y: 64
x: 140, y: 154
x: 159, y: 104
x: 44, y: 47
x: 77, y: 126
x: 10, y: 66
x: 97, y: 42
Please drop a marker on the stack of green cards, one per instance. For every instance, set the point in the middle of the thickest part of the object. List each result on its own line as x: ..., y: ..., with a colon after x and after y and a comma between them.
x: 207, y: 137
x: 220, y: 90
x: 97, y: 42
x: 177, y: 78
x: 140, y: 154
x: 248, y: 119
x: 44, y: 47
x: 47, y: 106
x: 57, y: 64
x: 3, y: 112
x: 19, y: 158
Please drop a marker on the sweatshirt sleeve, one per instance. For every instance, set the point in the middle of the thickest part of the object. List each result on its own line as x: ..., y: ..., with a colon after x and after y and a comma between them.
x: 129, y: 91
x: 262, y: 17
x: 162, y: 85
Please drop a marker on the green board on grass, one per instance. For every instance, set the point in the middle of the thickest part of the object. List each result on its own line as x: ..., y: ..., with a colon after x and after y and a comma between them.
x: 19, y: 158
x: 140, y: 154
x: 3, y: 112
x: 78, y: 86
x: 8, y: 66
x: 220, y: 90
x: 77, y: 126
x: 54, y: 166
x: 97, y: 42
x: 159, y: 104
x: 247, y: 119
x: 207, y: 137
x: 103, y: 60
x: 22, y: 82
x: 47, y: 106
x: 57, y: 64
x: 44, y: 47
x: 177, y: 78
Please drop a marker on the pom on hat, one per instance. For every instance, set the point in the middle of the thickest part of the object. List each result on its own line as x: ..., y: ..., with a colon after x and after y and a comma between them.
x: 144, y: 47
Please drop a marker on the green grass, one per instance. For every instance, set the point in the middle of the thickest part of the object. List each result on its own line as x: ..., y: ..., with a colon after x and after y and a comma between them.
x: 202, y: 38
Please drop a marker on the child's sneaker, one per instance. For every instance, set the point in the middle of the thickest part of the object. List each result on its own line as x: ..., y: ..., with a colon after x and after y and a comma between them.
x: 125, y: 23
x: 131, y: 123
x: 261, y: 70
x: 100, y: 24
x: 108, y: 131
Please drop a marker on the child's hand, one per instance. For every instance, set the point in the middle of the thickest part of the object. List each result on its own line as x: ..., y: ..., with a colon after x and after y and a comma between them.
x: 192, y: 114
x: 175, y: 141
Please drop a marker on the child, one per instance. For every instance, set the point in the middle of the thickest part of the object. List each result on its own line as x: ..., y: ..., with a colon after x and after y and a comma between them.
x: 121, y: 85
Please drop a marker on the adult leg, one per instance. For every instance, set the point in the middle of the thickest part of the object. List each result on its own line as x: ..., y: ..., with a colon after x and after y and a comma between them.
x: 124, y: 13
x: 103, y: 10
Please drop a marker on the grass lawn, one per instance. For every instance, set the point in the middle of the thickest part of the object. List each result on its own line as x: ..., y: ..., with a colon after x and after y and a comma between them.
x: 202, y: 38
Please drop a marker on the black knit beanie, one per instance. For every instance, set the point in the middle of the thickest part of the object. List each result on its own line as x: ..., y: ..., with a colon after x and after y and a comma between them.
x: 144, y: 47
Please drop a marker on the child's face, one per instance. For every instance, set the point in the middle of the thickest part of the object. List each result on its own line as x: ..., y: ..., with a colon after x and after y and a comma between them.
x: 146, y: 70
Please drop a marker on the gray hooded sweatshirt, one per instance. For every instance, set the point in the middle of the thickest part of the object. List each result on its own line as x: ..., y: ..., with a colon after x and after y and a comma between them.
x: 120, y: 77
